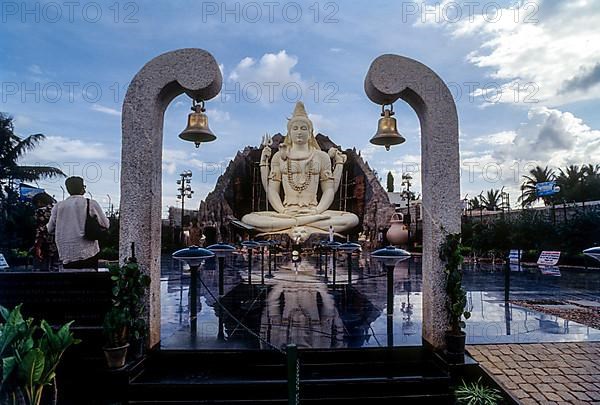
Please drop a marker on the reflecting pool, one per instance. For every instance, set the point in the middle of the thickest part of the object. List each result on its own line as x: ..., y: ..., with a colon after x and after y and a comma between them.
x: 301, y: 305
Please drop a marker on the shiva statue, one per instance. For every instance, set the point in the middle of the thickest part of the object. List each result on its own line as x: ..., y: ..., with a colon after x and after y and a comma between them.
x: 300, y: 167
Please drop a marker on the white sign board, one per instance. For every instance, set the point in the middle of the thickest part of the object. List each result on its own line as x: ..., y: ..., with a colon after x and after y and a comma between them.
x: 3, y: 264
x: 514, y: 257
x: 548, y: 258
x: 550, y: 271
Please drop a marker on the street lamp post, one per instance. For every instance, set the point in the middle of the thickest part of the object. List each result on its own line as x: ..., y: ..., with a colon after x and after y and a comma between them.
x: 389, y: 257
x: 250, y: 245
x: 185, y: 190
x: 271, y: 248
x: 221, y: 250
x: 263, y: 244
x: 193, y: 256
x: 322, y: 248
x: 406, y: 178
x: 349, y: 248
x: 334, y: 247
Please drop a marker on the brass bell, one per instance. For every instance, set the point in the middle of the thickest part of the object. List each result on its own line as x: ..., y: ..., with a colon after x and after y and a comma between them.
x: 387, y: 134
x: 197, y: 129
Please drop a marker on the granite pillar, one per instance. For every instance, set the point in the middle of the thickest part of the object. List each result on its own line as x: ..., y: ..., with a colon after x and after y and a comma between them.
x: 393, y: 77
x: 195, y: 72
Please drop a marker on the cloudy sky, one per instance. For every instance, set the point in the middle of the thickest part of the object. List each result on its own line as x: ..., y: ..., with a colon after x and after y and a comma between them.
x: 525, y: 76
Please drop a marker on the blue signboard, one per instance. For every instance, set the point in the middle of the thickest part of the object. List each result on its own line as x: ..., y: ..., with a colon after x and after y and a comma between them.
x: 26, y: 192
x: 546, y: 188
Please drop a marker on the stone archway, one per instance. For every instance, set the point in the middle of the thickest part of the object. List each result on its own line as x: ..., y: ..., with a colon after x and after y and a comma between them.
x: 393, y: 77
x: 195, y: 72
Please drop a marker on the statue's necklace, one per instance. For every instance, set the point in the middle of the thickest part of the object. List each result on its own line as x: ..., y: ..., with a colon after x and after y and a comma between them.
x: 305, y: 178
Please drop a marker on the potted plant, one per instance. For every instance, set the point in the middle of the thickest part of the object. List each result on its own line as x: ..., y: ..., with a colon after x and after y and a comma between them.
x: 116, y: 331
x: 29, y: 357
x: 124, y: 323
x: 456, y: 297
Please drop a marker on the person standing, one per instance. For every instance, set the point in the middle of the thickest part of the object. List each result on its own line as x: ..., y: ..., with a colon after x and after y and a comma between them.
x: 67, y: 223
x: 44, y: 248
x: 195, y: 238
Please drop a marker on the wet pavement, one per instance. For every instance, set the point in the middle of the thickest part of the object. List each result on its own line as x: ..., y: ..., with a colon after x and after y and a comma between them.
x: 302, y: 306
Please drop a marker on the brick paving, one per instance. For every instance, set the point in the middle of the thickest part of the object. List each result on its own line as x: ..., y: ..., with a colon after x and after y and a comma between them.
x: 544, y: 373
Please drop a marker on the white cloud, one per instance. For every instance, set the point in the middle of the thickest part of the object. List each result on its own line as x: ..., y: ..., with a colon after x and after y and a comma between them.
x: 22, y: 121
x: 35, y: 69
x: 499, y: 138
x: 218, y: 115
x: 368, y: 151
x: 180, y: 159
x: 553, y: 137
x: 549, y: 137
x: 171, y: 157
x: 169, y: 167
x: 60, y: 149
x: 106, y: 110
x: 267, y: 79
x: 542, y: 49
x: 320, y: 123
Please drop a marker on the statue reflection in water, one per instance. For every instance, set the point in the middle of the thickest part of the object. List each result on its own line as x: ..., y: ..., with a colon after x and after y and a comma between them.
x: 300, y: 310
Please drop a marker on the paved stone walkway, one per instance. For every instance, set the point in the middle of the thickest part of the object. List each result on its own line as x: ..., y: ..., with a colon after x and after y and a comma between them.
x: 548, y: 373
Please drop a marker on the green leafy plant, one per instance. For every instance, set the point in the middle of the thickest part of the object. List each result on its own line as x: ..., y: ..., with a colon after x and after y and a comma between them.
x: 30, y: 355
x: 456, y: 294
x: 129, y: 287
x: 116, y: 327
x: 477, y: 393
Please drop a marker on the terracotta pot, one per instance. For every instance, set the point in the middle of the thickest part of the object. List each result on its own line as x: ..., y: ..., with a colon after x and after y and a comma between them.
x: 455, y: 346
x: 115, y: 356
x: 398, y: 233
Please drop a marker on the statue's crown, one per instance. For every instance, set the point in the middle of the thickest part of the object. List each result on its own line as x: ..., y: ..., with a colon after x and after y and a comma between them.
x: 299, y: 111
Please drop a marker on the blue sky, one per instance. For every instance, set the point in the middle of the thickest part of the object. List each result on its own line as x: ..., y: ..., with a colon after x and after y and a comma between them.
x: 526, y: 79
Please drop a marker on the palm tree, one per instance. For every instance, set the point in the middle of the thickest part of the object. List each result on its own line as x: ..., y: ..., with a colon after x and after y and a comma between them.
x: 12, y: 148
x: 528, y: 189
x: 591, y: 170
x: 492, y: 200
x: 475, y: 203
x: 591, y: 182
x: 570, y: 182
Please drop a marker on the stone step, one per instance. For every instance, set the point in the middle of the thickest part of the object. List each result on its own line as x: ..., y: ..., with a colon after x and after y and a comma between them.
x: 326, y: 376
